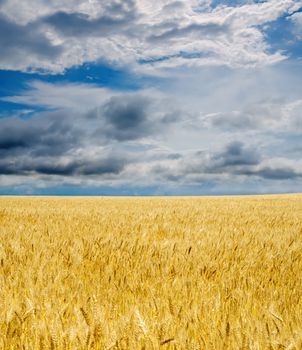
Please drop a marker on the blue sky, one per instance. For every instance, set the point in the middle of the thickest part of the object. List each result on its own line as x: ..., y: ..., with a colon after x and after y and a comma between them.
x: 132, y: 97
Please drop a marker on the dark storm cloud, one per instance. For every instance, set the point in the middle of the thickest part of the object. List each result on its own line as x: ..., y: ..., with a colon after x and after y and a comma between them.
x: 18, y: 40
x: 238, y: 159
x: 52, y: 144
x: 274, y: 173
x: 55, y: 166
x: 127, y: 119
x: 59, y: 143
x: 278, y: 173
x: 47, y: 134
x: 235, y: 154
x: 100, y: 166
x: 26, y: 144
x: 126, y: 114
x: 133, y: 117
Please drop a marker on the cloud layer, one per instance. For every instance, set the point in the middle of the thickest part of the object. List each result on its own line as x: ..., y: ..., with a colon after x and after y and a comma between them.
x: 143, y: 35
x: 118, y: 138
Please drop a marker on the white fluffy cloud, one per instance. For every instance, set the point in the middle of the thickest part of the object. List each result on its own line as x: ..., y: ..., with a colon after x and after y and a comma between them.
x: 160, y: 34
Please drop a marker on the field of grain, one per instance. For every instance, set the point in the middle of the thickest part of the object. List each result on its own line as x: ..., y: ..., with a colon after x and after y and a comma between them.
x: 151, y: 273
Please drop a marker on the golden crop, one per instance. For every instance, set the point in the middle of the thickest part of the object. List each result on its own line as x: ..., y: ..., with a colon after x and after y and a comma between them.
x: 151, y: 273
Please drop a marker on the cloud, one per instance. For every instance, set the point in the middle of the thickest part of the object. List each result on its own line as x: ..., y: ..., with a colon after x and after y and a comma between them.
x: 92, y: 136
x: 274, y: 115
x: 54, y: 144
x: 44, y: 134
x: 77, y: 141
x: 58, y: 35
x: 231, y: 160
x: 240, y: 160
x: 110, y: 115
x: 235, y: 120
x: 271, y: 173
x: 235, y: 154
x: 127, y: 118
x: 20, y: 41
x: 76, y: 97
x: 132, y: 117
x: 117, y: 18
x: 205, y: 30
x: 275, y: 169
x: 102, y: 165
x: 236, y: 161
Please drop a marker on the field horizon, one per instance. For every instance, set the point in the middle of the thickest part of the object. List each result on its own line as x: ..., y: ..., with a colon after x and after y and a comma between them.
x: 152, y: 196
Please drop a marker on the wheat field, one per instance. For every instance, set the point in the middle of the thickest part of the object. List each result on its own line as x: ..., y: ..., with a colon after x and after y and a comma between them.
x: 151, y: 273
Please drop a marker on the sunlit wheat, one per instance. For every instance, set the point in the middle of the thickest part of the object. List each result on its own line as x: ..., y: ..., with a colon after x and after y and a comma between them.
x: 151, y: 273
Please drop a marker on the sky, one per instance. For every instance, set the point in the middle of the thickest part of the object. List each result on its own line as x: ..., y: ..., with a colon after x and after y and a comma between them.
x: 140, y: 97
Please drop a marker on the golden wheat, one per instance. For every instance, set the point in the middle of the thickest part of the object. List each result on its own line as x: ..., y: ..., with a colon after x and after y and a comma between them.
x: 151, y: 273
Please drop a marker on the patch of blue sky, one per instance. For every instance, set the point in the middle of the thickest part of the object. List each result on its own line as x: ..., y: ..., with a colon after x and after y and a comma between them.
x: 105, y: 76
x: 73, y: 190
x: 281, y: 36
x: 8, y: 109
x: 233, y: 3
x: 206, y: 187
x: 13, y: 82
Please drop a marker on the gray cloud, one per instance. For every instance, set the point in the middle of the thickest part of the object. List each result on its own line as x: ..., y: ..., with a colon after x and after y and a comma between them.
x: 236, y: 160
x: 132, y: 117
x: 17, y: 41
x: 233, y: 121
x: 127, y: 118
x: 235, y: 154
x: 126, y: 113
x: 54, y: 144
x: 231, y: 160
x: 274, y: 173
x: 46, y: 134
x: 67, y: 143
x: 266, y: 114
x: 79, y: 24
x: 203, y: 31
x: 108, y: 165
